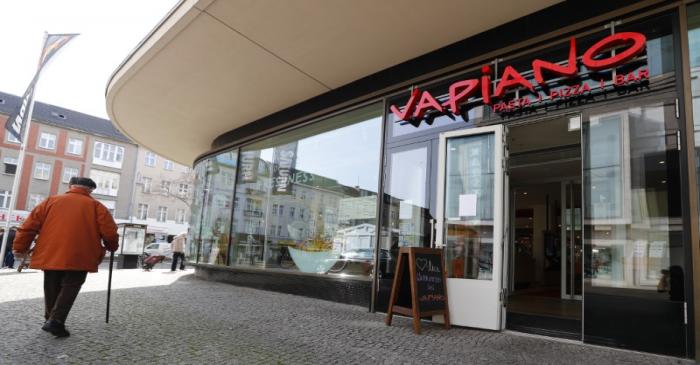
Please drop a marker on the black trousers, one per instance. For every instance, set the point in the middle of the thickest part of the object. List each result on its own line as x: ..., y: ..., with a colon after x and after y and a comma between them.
x: 181, y: 256
x: 60, y: 290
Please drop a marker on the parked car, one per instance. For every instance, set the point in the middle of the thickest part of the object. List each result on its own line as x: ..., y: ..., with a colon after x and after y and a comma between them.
x: 159, y: 249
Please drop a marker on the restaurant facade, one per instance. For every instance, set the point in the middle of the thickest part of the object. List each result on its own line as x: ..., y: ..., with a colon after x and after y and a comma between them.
x: 552, y: 157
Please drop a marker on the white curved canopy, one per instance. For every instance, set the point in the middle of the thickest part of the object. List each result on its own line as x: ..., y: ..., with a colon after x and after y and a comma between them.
x: 215, y: 65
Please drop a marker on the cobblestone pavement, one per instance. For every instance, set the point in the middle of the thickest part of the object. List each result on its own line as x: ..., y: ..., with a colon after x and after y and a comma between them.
x: 172, y: 318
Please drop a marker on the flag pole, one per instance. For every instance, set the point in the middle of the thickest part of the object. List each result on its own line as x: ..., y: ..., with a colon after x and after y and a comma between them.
x: 20, y: 158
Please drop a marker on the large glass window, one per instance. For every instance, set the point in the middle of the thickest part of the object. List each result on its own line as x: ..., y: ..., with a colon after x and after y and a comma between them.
x: 694, y: 50
x: 216, y: 215
x: 325, y: 175
x: 634, y: 261
x: 193, y: 237
x: 632, y: 209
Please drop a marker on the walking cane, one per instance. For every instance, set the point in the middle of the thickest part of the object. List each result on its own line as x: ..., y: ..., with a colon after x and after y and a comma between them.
x: 109, y: 283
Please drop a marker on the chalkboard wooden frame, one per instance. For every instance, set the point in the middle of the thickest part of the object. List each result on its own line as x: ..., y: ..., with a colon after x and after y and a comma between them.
x: 408, y: 254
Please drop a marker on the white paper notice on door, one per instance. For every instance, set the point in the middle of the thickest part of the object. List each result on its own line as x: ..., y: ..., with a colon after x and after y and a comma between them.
x: 467, y: 205
x: 406, y: 209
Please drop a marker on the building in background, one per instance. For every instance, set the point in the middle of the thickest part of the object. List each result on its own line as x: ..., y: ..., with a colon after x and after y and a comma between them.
x: 133, y: 183
x: 63, y: 143
x: 162, y: 195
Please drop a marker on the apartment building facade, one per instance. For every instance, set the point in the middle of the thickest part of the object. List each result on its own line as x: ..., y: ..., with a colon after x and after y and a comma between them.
x: 162, y: 195
x: 63, y: 143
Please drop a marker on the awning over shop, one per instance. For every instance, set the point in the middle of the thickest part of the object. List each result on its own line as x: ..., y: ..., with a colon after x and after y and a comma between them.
x: 215, y: 65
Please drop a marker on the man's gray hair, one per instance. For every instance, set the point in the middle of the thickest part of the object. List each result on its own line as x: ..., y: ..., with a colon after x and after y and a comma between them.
x: 84, y: 182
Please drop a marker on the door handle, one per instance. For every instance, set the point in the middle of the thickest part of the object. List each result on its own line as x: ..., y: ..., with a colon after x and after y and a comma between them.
x: 432, y: 233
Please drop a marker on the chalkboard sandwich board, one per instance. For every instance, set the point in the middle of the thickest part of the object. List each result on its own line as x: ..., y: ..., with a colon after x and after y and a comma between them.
x: 420, y: 291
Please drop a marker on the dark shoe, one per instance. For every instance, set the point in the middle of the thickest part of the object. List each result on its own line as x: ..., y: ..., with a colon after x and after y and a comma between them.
x: 56, y: 328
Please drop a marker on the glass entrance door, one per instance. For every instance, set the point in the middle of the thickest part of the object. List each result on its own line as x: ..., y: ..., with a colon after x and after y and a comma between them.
x: 545, y: 258
x: 470, y: 225
x: 634, y: 290
x: 572, y: 263
x: 406, y: 220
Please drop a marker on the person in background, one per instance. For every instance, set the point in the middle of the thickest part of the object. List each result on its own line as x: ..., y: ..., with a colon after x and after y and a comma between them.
x: 178, y: 248
x: 71, y: 229
x: 9, y: 257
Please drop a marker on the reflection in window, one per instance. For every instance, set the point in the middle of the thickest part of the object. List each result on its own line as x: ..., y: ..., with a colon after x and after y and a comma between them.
x: 408, y: 209
x: 694, y: 51
x: 193, y: 238
x: 216, y: 214
x: 632, y: 203
x: 325, y: 176
x: 469, y: 181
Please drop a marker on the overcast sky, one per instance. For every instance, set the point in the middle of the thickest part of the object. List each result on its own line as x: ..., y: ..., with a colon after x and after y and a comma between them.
x: 77, y: 75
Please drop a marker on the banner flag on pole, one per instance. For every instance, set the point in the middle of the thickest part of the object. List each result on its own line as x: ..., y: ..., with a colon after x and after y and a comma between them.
x: 17, y: 120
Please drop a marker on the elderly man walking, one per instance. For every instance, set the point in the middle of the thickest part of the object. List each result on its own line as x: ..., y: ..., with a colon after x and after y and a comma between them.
x: 71, y: 229
x: 178, y: 248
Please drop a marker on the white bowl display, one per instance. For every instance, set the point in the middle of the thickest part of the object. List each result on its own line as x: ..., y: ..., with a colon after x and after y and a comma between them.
x: 313, y: 261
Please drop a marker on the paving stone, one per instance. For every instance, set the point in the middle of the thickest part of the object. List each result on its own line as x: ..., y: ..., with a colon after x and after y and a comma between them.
x: 163, y: 318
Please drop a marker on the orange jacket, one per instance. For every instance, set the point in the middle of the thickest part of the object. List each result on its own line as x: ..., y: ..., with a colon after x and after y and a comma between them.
x: 70, y: 227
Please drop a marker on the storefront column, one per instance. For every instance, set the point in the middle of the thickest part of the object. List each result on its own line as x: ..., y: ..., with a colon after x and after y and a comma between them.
x: 692, y: 198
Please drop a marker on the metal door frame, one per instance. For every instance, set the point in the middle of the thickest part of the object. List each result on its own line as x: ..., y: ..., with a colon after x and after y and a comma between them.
x: 500, y: 230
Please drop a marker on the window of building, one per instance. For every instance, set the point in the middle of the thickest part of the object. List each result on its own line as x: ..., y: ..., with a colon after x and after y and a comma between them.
x: 107, y: 182
x: 142, y: 211
x: 340, y: 158
x: 147, y: 181
x: 5, y: 199
x: 106, y: 154
x: 165, y: 187
x: 69, y: 172
x: 11, y: 137
x: 150, y: 159
x: 47, y: 141
x: 42, y: 171
x: 180, y: 217
x: 75, y: 146
x: 34, y: 200
x: 183, y: 189
x: 162, y: 214
x: 168, y: 165
x: 10, y: 165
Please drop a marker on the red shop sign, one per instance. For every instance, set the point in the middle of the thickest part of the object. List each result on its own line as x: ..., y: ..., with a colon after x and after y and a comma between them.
x: 459, y: 92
